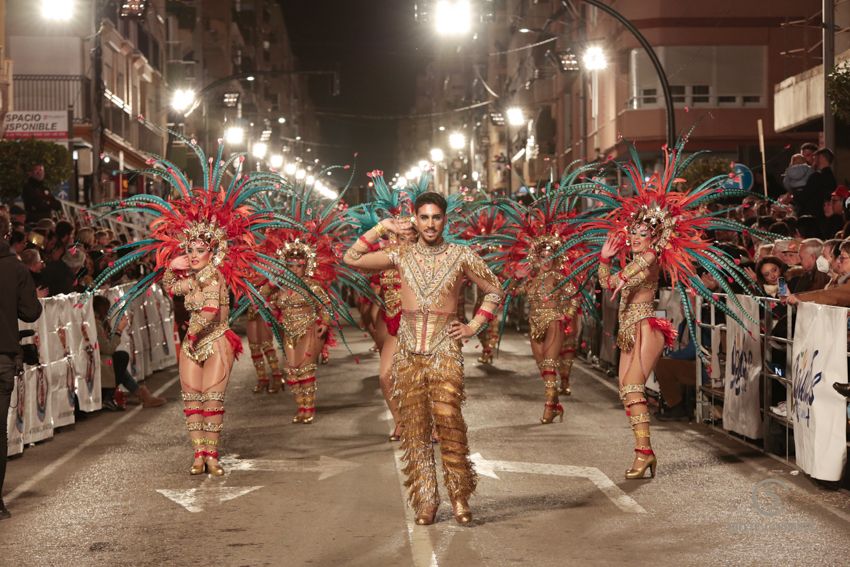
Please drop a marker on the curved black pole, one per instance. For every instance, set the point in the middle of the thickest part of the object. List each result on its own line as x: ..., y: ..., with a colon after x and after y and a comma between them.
x: 662, y: 76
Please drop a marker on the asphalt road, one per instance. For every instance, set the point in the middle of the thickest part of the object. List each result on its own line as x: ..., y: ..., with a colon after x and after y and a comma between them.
x: 115, y: 489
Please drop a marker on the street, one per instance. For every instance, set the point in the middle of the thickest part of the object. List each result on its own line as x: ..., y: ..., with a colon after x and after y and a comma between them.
x: 115, y: 489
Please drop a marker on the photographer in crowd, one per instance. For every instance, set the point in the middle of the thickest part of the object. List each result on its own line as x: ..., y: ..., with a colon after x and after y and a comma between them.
x: 17, y: 301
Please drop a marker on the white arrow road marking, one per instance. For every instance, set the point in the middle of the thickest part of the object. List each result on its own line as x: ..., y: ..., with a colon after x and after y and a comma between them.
x: 325, y: 466
x: 624, y: 502
x: 195, y: 499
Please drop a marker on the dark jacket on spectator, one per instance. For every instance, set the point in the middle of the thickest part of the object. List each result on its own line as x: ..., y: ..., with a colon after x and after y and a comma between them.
x: 808, y: 281
x: 17, y: 299
x: 57, y: 277
x: 38, y: 200
x: 818, y: 189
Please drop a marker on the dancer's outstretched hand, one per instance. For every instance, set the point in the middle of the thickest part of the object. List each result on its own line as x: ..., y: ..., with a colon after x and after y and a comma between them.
x: 613, y: 245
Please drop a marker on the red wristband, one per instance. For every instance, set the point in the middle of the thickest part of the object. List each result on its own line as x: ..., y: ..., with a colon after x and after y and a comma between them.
x: 604, y: 260
x: 364, y: 241
x: 191, y: 337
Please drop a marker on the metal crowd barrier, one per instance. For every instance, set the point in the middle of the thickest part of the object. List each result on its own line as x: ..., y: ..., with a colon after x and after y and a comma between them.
x: 68, y: 373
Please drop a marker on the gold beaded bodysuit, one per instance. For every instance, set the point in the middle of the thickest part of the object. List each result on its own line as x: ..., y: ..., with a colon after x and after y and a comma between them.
x: 428, y: 366
x: 297, y: 313
x: 544, y: 306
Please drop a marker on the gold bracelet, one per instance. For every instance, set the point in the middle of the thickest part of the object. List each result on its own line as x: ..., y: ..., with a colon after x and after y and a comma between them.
x: 475, y: 325
x: 379, y: 229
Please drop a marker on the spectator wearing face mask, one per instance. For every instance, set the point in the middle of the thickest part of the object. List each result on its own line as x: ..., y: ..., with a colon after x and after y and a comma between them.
x: 812, y: 277
x: 831, y: 250
x: 838, y: 295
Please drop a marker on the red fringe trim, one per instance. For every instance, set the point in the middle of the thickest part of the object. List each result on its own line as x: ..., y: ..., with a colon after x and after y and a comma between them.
x: 393, y: 323
x: 666, y: 329
x: 235, y: 342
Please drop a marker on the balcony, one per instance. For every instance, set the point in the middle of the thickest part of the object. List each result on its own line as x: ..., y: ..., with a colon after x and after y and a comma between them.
x: 138, y: 135
x: 54, y: 92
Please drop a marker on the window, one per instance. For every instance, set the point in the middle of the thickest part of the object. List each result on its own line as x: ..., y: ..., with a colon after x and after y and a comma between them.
x: 724, y: 76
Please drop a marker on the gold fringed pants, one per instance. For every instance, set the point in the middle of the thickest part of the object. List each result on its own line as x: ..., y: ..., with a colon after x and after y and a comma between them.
x: 429, y: 390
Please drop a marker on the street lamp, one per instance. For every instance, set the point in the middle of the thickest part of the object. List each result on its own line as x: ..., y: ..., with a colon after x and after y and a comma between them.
x: 457, y: 141
x: 182, y: 99
x: 453, y: 17
x: 516, y: 116
x: 57, y: 10
x: 300, y: 174
x: 594, y: 58
x: 259, y: 150
x: 437, y: 155
x: 290, y: 168
x: 234, y: 135
x: 276, y: 161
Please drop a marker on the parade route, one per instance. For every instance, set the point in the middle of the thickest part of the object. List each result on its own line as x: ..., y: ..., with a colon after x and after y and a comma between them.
x: 115, y: 488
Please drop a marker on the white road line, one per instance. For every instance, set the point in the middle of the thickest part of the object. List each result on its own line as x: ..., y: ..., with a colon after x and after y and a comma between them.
x: 420, y: 539
x: 60, y: 462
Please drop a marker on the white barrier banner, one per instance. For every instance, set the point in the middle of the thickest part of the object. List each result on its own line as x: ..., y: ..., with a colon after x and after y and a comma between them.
x: 820, y: 413
x: 742, y: 394
x: 87, y: 357
x: 39, y: 417
x: 17, y: 418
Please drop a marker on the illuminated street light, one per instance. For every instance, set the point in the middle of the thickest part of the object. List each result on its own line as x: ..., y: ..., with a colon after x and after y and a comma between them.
x: 182, y: 99
x: 259, y: 150
x: 437, y: 155
x: 235, y: 135
x: 423, y: 164
x: 276, y: 161
x: 300, y: 174
x: 453, y: 17
x: 281, y: 120
x: 310, y: 180
x: 516, y: 116
x: 594, y: 59
x: 249, y: 78
x: 57, y: 10
x: 290, y: 169
x: 457, y: 141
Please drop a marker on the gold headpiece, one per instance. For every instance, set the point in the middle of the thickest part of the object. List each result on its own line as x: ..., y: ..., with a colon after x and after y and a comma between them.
x: 658, y: 220
x: 210, y: 233
x: 540, y: 244
x: 298, y: 248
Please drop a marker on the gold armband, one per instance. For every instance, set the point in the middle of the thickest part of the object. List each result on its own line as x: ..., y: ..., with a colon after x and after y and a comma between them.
x: 379, y: 230
x: 493, y: 298
x: 354, y: 254
x: 604, y: 274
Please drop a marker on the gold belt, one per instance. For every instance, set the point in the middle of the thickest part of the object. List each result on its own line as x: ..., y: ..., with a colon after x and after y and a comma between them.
x: 630, y: 315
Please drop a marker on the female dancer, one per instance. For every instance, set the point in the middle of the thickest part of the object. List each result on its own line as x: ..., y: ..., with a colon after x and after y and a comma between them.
x: 305, y: 320
x: 641, y: 337
x: 209, y: 347
x: 548, y: 306
x: 261, y: 344
x: 661, y: 224
x: 203, y: 243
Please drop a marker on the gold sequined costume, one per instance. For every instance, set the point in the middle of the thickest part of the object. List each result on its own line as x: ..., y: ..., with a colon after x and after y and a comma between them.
x: 206, y: 356
x: 428, y: 370
x: 299, y: 317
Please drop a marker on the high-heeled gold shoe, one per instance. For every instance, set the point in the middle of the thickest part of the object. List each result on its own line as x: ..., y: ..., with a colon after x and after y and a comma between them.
x: 486, y: 358
x: 395, y: 435
x: 309, y: 415
x: 557, y: 411
x: 648, y: 461
x: 260, y: 386
x: 565, y: 389
x: 274, y: 386
x: 213, y: 468
x: 462, y: 513
x: 197, y: 468
x: 298, y: 417
x: 426, y: 517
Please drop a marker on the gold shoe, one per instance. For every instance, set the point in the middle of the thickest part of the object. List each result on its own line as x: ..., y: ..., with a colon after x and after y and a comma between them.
x: 426, y: 517
x: 462, y: 513
x: 557, y: 411
x: 298, y: 417
x: 260, y: 386
x: 647, y: 462
x: 197, y: 468
x: 274, y: 386
x: 213, y: 468
x: 565, y: 390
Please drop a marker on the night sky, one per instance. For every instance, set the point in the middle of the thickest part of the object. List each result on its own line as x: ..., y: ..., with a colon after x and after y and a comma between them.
x: 379, y: 48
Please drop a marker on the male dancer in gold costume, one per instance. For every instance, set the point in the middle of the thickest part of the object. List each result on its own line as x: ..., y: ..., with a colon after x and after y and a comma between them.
x: 428, y: 366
